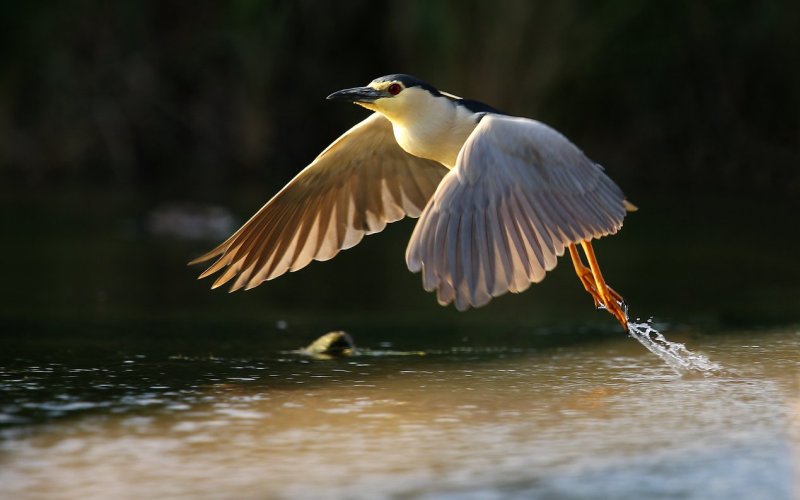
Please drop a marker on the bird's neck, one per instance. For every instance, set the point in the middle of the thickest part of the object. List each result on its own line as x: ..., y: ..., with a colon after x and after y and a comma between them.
x: 434, y: 128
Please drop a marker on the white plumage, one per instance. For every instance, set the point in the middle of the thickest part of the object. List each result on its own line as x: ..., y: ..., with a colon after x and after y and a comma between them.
x: 517, y: 194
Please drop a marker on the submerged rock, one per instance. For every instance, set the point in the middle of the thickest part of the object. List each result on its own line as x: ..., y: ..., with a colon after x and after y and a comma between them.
x: 340, y: 344
x: 336, y: 344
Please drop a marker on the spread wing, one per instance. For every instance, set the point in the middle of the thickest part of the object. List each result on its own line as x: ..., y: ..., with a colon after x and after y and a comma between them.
x: 519, y: 194
x: 355, y: 187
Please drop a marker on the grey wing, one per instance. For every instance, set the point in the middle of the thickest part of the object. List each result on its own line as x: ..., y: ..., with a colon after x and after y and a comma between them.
x: 519, y: 194
x: 355, y: 187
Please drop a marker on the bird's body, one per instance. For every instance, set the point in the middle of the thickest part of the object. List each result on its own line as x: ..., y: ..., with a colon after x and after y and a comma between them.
x: 499, y: 199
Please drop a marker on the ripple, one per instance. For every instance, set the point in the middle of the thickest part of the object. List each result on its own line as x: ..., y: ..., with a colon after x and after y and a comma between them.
x: 243, y: 414
x: 471, y: 423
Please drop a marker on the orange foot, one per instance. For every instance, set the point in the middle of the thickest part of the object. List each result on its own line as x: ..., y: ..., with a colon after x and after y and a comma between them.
x: 592, y: 279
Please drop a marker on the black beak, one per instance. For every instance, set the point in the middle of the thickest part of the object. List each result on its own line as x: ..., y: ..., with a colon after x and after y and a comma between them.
x: 358, y: 94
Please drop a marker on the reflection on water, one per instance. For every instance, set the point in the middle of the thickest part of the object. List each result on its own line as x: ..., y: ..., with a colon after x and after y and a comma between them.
x: 600, y: 419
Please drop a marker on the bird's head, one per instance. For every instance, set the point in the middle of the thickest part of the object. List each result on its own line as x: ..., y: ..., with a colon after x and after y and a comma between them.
x: 392, y: 95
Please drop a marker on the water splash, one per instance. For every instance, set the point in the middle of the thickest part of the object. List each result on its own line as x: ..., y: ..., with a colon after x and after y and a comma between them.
x: 675, y: 354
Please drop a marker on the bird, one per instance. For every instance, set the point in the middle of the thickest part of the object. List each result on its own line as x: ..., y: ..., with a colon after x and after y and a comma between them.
x: 499, y: 198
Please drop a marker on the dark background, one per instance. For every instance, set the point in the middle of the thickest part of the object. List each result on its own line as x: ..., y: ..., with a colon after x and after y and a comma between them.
x: 112, y: 110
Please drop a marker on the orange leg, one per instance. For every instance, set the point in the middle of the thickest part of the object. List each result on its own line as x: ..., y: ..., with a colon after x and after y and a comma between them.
x: 592, y: 280
x: 585, y: 275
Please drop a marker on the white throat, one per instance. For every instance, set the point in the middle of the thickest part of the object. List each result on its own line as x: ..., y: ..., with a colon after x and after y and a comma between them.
x: 428, y: 126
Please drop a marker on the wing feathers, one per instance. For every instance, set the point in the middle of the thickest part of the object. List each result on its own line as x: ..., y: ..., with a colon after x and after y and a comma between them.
x: 361, y: 182
x: 518, y: 195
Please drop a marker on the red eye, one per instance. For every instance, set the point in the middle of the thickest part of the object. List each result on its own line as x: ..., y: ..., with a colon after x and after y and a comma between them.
x: 394, y: 88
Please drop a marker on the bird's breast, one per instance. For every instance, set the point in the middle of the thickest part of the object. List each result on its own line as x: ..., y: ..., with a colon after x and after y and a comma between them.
x: 437, y: 137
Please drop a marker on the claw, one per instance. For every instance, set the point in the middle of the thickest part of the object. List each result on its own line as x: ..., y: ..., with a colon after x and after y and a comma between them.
x: 603, y: 295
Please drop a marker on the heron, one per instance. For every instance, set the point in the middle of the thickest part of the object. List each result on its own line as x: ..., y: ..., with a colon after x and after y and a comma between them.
x: 499, y: 198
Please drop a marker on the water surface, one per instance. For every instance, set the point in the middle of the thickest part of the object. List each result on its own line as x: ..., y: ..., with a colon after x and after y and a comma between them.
x: 533, y: 417
x: 123, y: 377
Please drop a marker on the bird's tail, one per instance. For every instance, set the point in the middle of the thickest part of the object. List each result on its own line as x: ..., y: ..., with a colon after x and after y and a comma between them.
x: 629, y: 207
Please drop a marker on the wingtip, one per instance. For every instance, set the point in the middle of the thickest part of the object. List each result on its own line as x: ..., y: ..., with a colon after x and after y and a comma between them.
x: 413, y: 262
x: 216, y: 252
x: 205, y: 257
x: 196, y: 261
x: 205, y: 274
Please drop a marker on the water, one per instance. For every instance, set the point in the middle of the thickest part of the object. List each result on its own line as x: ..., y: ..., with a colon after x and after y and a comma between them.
x: 674, y: 354
x: 123, y: 377
x: 538, y: 415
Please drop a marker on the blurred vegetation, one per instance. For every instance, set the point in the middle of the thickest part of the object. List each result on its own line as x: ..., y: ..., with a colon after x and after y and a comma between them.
x: 109, y: 109
x: 190, y: 97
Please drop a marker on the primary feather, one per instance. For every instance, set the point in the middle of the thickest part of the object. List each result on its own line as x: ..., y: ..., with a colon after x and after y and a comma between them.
x: 519, y: 194
x: 361, y: 182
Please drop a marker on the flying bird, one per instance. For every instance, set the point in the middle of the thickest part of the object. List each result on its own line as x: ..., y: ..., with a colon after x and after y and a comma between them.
x: 499, y: 199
